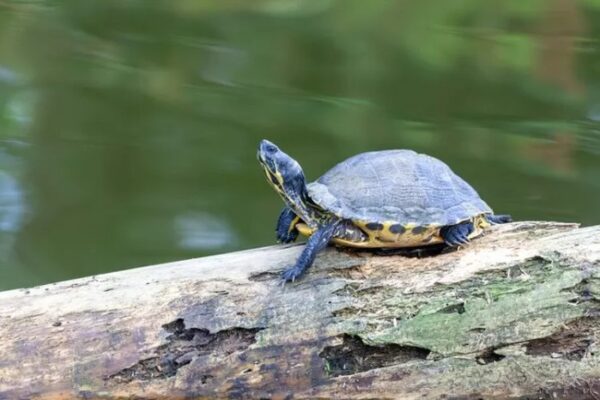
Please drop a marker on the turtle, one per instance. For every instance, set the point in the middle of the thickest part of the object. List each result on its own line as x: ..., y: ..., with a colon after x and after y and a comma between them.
x: 378, y: 199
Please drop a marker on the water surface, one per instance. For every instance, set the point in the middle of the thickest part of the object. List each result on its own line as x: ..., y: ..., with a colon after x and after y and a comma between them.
x: 128, y: 129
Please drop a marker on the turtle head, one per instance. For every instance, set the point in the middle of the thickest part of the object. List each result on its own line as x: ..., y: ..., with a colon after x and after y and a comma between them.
x: 282, y: 171
x: 285, y: 175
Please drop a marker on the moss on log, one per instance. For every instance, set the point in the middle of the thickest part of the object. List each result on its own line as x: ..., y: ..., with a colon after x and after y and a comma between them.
x: 516, y: 314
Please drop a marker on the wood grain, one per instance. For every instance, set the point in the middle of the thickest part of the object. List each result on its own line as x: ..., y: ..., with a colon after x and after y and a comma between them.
x: 516, y: 314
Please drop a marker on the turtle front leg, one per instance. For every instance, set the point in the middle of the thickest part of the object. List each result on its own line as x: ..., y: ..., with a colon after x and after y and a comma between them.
x: 455, y: 235
x: 286, y: 226
x: 316, y: 242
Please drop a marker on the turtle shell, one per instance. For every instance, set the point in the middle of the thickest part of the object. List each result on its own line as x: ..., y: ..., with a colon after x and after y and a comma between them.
x: 398, y: 186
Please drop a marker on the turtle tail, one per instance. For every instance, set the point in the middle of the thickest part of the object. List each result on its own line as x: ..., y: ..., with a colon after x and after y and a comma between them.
x: 498, y: 219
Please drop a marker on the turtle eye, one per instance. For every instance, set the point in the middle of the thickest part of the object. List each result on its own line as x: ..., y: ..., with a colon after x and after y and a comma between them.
x: 267, y: 147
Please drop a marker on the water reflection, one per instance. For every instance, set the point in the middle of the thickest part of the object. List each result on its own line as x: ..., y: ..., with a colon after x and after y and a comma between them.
x: 200, y: 231
x: 128, y: 130
x: 7, y: 76
x: 11, y: 204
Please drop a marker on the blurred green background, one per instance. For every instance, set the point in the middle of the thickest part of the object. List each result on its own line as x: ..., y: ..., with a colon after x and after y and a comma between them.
x: 128, y: 128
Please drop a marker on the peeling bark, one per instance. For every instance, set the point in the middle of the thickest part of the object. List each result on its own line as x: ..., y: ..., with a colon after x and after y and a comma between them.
x: 516, y: 314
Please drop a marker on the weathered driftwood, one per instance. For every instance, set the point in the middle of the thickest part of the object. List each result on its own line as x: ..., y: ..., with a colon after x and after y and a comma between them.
x: 516, y: 314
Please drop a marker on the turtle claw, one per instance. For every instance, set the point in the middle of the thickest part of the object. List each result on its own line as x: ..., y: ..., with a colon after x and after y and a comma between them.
x: 287, y: 237
x: 463, y: 240
x: 456, y: 235
x: 450, y: 242
x: 290, y: 275
x: 456, y: 242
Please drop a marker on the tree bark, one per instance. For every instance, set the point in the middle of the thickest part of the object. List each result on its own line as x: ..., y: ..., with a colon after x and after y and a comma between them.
x: 515, y: 314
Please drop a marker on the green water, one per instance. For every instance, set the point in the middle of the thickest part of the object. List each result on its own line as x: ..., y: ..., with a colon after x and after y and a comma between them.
x: 128, y: 128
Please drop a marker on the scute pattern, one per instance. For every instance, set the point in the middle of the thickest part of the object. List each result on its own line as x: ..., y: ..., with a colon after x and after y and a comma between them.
x: 397, y: 185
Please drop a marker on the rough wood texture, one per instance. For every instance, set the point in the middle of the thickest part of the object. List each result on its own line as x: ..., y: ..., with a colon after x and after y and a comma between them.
x: 516, y: 314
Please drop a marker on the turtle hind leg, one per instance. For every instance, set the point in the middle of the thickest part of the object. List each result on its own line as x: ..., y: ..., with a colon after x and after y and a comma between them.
x: 286, y: 226
x: 455, y: 235
x: 498, y: 219
x: 316, y: 242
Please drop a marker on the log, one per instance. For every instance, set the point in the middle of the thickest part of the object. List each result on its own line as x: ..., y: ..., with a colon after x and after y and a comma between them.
x: 515, y: 314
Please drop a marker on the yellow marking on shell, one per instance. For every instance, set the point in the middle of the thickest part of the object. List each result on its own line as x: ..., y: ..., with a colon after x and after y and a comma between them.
x: 384, y: 238
x: 425, y: 235
x: 362, y: 224
x: 386, y: 234
x: 398, y: 240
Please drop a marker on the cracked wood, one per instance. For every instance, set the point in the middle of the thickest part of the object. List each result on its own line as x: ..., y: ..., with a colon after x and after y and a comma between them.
x: 514, y: 314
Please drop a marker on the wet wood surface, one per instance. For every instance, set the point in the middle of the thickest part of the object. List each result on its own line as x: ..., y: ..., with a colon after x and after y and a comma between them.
x: 516, y: 314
